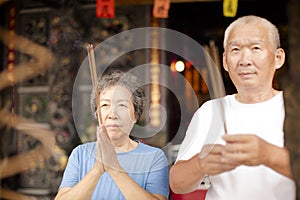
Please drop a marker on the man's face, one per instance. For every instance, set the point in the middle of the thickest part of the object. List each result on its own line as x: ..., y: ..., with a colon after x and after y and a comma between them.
x: 250, y: 58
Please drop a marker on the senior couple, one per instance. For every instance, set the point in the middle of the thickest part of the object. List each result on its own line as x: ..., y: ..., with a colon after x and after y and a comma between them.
x: 247, y: 161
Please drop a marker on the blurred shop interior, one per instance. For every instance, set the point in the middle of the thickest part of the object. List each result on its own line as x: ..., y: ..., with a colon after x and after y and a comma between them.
x: 42, y: 50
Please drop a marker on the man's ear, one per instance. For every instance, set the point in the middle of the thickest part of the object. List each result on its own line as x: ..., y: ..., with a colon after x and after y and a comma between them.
x: 225, y: 66
x: 279, y: 58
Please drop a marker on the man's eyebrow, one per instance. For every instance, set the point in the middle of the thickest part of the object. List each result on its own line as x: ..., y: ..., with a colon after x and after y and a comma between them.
x: 252, y: 41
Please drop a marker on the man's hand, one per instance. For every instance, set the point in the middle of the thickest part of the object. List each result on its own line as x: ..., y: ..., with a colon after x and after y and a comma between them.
x: 246, y: 149
x: 212, y: 162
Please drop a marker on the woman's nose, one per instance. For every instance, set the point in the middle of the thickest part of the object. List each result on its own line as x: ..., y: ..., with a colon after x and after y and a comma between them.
x: 112, y: 114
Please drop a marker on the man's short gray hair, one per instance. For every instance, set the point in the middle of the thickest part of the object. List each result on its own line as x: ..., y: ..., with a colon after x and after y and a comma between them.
x: 251, y: 19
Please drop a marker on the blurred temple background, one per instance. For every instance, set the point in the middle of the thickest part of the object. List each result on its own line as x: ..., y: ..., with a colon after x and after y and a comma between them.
x: 43, y: 117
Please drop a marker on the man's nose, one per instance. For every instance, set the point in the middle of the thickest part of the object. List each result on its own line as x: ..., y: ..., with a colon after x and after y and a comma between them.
x: 245, y: 58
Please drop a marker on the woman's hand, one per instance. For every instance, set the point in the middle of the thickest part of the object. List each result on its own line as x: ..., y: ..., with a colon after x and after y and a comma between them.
x: 98, y: 166
x: 106, y: 150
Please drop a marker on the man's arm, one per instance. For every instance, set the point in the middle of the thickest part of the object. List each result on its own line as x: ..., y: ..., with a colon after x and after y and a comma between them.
x: 280, y: 162
x: 251, y: 150
x: 185, y: 176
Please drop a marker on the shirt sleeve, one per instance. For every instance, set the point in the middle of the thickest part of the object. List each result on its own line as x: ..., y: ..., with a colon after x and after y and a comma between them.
x: 71, y: 173
x: 158, y: 180
x: 188, y: 147
x: 205, y: 127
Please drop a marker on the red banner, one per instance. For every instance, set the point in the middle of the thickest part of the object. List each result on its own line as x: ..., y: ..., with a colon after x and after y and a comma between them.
x: 105, y: 8
x: 161, y: 8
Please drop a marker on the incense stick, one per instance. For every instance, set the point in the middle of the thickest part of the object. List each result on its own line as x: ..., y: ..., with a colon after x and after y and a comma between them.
x: 93, y: 71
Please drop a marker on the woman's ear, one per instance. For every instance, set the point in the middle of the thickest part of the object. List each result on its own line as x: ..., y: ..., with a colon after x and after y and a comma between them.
x: 225, y: 66
x: 134, y: 119
x: 279, y: 58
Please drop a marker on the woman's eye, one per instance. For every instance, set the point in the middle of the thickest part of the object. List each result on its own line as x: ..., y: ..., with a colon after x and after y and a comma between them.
x: 123, y: 105
x: 103, y: 105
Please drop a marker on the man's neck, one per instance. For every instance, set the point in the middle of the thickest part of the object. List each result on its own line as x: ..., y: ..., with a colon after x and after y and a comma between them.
x: 255, y: 97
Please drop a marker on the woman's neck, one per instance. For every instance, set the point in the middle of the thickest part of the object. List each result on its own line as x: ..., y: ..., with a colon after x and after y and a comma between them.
x: 125, y: 146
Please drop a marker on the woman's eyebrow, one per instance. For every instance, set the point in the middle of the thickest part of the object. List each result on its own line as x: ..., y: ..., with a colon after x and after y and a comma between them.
x: 104, y: 100
x: 126, y: 100
x: 119, y: 100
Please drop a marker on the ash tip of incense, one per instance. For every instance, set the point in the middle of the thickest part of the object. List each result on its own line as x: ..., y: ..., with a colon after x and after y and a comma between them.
x: 90, y: 46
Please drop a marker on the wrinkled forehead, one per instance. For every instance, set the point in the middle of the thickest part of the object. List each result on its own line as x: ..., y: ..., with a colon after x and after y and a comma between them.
x: 116, y: 92
x: 244, y: 42
x: 248, y: 34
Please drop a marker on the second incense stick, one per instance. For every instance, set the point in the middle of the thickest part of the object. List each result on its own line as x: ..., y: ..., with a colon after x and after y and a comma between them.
x: 93, y: 71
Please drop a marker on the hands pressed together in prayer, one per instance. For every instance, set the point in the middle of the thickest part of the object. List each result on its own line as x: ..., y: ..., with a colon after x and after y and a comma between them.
x: 106, y: 156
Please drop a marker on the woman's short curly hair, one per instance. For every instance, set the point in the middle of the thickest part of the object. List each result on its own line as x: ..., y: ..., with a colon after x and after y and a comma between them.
x: 127, y: 80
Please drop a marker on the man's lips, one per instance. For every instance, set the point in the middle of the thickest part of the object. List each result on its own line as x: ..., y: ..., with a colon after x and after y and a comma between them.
x: 245, y: 74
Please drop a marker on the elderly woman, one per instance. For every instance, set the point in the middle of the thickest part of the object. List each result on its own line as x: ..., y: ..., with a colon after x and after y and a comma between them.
x: 115, y: 166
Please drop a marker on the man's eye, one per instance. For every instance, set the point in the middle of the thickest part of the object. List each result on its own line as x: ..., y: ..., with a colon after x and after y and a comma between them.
x: 234, y: 50
x: 123, y: 105
x: 103, y: 105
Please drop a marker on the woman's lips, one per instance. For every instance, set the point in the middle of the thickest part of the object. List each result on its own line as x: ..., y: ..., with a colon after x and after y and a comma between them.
x: 113, y: 126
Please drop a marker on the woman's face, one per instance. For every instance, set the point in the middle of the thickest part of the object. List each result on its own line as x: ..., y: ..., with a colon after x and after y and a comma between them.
x: 117, y: 111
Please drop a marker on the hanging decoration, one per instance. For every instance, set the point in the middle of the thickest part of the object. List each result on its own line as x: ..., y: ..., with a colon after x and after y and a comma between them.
x: 155, y: 79
x: 11, y: 56
x: 11, y: 45
x: 230, y: 8
x: 161, y: 8
x: 105, y: 8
